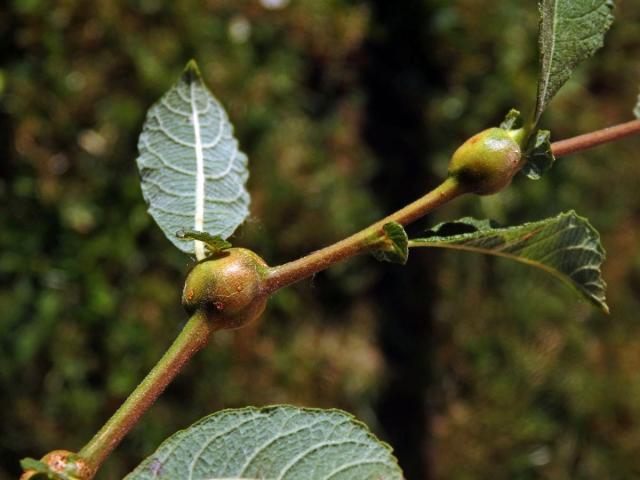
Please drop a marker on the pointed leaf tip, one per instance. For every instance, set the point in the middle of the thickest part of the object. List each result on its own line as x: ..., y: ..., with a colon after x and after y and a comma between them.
x: 191, y: 72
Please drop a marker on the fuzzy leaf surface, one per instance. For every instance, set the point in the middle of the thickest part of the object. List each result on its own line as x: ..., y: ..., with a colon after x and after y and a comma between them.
x: 193, y: 174
x: 394, y: 244
x: 567, y: 246
x: 279, y: 442
x: 570, y: 31
x: 539, y: 156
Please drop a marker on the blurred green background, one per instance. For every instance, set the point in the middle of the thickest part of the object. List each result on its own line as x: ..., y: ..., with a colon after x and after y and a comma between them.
x: 471, y: 367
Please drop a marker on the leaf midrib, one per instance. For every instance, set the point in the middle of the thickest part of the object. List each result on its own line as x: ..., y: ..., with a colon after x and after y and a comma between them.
x: 550, y: 61
x: 198, y: 223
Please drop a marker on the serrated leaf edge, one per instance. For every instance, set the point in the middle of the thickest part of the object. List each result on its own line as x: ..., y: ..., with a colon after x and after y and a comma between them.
x: 449, y: 244
x: 266, y: 410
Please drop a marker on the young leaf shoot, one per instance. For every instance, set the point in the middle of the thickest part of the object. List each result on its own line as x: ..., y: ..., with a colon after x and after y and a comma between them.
x: 393, y: 246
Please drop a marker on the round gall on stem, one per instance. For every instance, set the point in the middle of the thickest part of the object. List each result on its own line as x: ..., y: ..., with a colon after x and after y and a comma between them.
x: 487, y: 162
x: 228, y: 288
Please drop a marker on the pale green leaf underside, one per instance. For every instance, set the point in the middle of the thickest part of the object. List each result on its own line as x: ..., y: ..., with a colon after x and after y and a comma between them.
x: 566, y: 246
x: 570, y: 32
x: 193, y: 175
x: 280, y: 442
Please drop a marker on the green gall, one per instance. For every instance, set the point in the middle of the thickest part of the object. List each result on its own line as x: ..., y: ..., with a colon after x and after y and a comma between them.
x: 227, y: 288
x: 487, y: 162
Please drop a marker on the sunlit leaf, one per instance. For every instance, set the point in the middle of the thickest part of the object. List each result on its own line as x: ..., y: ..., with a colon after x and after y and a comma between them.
x: 280, y: 442
x: 193, y: 175
x: 570, y: 32
x: 566, y: 246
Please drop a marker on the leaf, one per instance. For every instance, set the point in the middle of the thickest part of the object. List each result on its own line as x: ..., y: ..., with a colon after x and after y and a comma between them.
x: 393, y: 246
x: 42, y: 470
x: 33, y: 464
x: 193, y: 175
x: 636, y: 111
x: 213, y: 244
x: 512, y: 121
x: 566, y: 246
x: 570, y: 32
x: 279, y: 442
x: 539, y: 156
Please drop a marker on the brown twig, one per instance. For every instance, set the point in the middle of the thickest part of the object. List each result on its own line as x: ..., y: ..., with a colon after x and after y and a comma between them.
x: 197, y: 331
x: 593, y: 139
x: 193, y: 337
x: 360, y: 242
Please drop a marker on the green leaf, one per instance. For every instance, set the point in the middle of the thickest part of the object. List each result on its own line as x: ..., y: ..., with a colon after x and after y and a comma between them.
x: 213, y: 244
x: 193, y: 175
x: 279, y: 442
x: 636, y: 111
x: 42, y: 470
x: 570, y: 32
x: 393, y: 246
x: 512, y: 121
x: 35, y: 465
x: 566, y: 246
x: 538, y: 156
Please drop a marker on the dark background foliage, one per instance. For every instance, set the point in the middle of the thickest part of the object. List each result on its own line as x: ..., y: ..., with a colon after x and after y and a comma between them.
x: 470, y: 367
